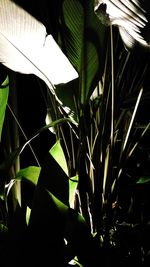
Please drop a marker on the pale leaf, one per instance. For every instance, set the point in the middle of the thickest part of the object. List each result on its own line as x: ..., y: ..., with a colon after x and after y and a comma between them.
x: 25, y: 47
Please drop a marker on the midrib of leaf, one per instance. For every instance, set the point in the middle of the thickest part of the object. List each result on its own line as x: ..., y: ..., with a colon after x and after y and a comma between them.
x: 73, y: 17
x: 89, y: 61
x: 91, y: 69
x: 83, y: 41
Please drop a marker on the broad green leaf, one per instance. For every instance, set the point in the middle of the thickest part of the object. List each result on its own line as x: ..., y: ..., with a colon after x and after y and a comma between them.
x: 143, y: 180
x: 84, y: 41
x: 30, y: 173
x: 57, y: 153
x: 73, y: 183
x: 59, y: 204
x: 76, y: 218
x: 3, y: 103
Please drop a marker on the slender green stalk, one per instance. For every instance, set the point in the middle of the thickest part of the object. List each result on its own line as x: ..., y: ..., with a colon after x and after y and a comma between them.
x: 25, y: 137
x: 132, y: 119
x: 112, y: 89
x: 14, y: 140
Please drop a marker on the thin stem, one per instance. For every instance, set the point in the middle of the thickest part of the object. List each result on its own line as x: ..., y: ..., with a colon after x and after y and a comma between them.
x: 112, y: 88
x: 20, y: 127
x: 132, y: 119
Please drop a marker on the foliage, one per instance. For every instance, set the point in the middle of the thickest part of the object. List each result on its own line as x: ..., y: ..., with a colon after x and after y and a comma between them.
x: 76, y: 190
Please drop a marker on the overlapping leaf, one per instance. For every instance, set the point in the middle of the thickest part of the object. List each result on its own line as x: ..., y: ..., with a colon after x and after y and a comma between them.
x: 85, y: 43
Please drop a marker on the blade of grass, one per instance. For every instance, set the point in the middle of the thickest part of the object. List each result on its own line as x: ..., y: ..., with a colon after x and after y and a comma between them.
x: 136, y: 144
x: 132, y: 119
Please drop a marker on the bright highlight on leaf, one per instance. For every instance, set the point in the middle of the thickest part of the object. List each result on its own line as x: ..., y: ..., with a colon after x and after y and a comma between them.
x: 57, y: 153
x: 3, y: 103
x: 60, y: 205
x: 128, y: 15
x: 25, y: 47
x: 73, y: 183
x: 30, y: 174
x: 28, y: 212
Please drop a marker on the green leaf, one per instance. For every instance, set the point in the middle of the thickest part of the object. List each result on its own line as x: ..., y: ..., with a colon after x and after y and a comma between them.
x: 30, y: 173
x: 143, y: 180
x: 15, y: 154
x: 57, y: 153
x: 73, y: 183
x: 54, y: 179
x: 3, y: 103
x: 84, y: 41
x: 77, y: 233
x: 59, y: 204
x: 28, y: 212
x: 51, y: 221
x: 46, y: 226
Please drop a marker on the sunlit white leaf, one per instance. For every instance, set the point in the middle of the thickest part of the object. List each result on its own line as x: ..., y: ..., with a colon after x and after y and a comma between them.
x: 25, y: 47
x: 128, y: 15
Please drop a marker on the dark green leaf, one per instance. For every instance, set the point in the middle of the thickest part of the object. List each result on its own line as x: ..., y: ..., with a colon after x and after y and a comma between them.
x: 57, y: 153
x: 3, y: 103
x: 143, y: 180
x: 85, y: 44
x: 31, y: 174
